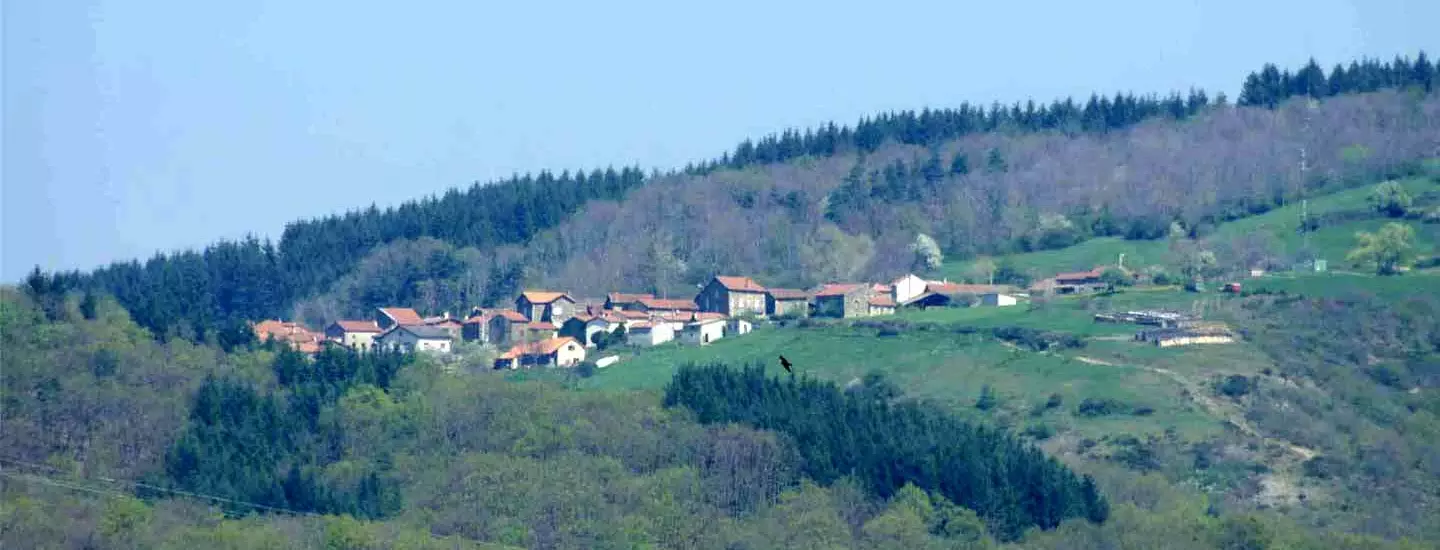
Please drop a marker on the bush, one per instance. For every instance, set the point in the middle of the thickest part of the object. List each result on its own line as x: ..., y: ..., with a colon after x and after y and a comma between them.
x: 1235, y: 386
x: 1040, y: 432
x: 1054, y: 401
x: 1093, y: 407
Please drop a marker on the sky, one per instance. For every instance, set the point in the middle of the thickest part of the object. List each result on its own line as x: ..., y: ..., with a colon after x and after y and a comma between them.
x: 137, y: 126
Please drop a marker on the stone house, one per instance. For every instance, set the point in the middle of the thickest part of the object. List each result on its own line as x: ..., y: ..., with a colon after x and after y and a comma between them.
x: 544, y: 305
x: 843, y: 300
x: 732, y: 296
x: 783, y: 302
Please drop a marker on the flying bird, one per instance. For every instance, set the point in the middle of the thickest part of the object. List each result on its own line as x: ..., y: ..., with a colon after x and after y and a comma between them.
x: 786, y: 363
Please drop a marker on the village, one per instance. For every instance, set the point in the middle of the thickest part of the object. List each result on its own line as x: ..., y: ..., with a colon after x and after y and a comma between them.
x: 547, y: 328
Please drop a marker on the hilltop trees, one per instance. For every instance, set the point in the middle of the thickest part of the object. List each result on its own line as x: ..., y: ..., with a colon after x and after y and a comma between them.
x: 970, y: 177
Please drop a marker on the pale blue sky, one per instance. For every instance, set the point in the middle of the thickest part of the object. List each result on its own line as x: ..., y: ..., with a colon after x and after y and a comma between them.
x: 132, y: 126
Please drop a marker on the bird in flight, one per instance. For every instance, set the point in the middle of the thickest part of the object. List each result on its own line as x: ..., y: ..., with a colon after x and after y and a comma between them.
x: 786, y: 363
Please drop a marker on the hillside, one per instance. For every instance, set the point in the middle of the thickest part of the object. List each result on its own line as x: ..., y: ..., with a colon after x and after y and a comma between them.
x: 1297, y: 436
x: 141, y: 412
x: 1270, y: 239
x: 1121, y: 154
x: 422, y: 458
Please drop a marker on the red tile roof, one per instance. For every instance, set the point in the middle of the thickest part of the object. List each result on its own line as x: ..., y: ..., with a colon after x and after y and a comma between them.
x: 739, y: 284
x: 482, y: 317
x: 544, y: 296
x: 1078, y: 275
x: 788, y: 294
x: 669, y: 304
x: 541, y: 325
x: 960, y: 288
x: 882, y: 301
x: 403, y: 315
x: 512, y: 316
x: 358, y: 326
x: 543, y: 347
x: 839, y: 289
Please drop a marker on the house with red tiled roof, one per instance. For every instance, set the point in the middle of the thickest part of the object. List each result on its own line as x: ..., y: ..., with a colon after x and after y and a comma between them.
x: 292, y: 334
x: 507, y: 327
x: 1072, y: 283
x: 560, y: 351
x: 660, y: 305
x: 843, y: 300
x: 545, y: 305
x: 388, y: 317
x: 786, y: 302
x: 476, y: 328
x: 881, y: 304
x: 356, y: 335
x: 732, y: 296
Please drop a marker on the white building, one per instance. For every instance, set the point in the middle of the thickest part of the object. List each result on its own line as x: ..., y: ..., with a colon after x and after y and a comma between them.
x: 737, y: 327
x: 906, y: 288
x: 650, y: 334
x: 996, y: 299
x: 415, y: 338
x: 701, y: 333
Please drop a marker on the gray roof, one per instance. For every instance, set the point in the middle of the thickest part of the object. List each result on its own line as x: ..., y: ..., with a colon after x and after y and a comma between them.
x: 427, y: 332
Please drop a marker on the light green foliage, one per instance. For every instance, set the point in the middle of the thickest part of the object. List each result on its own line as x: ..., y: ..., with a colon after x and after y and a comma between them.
x: 1391, y: 199
x: 1387, y: 248
x: 927, y: 253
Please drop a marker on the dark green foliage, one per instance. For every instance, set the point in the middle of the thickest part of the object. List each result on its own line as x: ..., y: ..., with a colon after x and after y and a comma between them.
x: 1271, y: 86
x: 1011, y: 485
x: 1235, y: 385
x: 987, y: 399
x: 190, y: 294
x: 263, y: 448
x: 1092, y: 407
x: 104, y: 363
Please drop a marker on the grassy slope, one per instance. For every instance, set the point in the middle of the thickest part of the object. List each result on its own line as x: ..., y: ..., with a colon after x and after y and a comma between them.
x: 1331, y: 242
x: 953, y: 368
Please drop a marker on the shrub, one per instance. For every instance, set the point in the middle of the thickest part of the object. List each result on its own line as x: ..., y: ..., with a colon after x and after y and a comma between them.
x: 1235, y: 386
x: 1093, y: 407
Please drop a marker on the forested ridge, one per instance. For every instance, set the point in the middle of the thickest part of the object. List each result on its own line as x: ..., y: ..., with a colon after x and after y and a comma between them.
x: 983, y: 186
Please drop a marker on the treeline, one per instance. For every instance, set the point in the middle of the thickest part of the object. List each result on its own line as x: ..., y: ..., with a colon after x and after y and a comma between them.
x: 1271, y: 86
x: 886, y: 446
x: 198, y: 295
x: 1268, y: 87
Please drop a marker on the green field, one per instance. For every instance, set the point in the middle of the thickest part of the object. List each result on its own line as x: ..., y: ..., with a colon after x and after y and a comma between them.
x: 1331, y: 242
x: 941, y: 362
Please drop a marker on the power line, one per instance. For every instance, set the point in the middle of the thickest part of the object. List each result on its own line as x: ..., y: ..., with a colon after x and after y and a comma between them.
x: 150, y: 487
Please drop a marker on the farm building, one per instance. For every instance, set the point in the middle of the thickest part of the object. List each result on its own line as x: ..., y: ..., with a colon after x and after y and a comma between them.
x: 551, y: 352
x: 732, y: 296
x: 996, y: 299
x: 700, y: 333
x: 415, y: 338
x: 646, y: 333
x: 356, y: 335
x: 782, y: 302
x: 1168, y: 337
